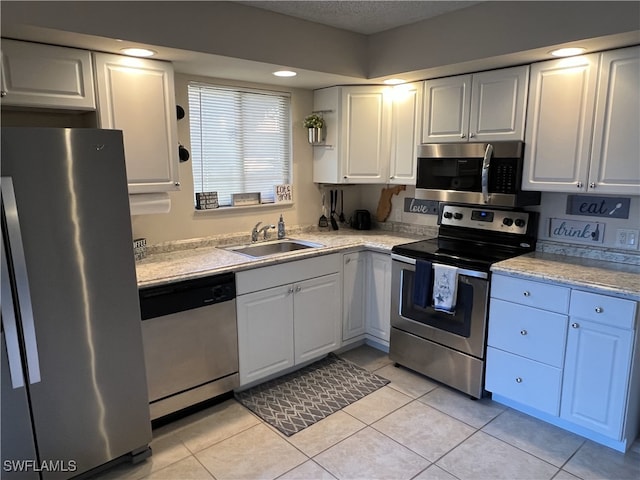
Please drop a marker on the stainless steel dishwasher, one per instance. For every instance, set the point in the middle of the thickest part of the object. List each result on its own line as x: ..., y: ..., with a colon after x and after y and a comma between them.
x: 190, y: 341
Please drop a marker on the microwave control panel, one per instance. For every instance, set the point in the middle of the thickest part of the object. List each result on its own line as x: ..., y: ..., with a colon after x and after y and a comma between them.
x: 480, y: 218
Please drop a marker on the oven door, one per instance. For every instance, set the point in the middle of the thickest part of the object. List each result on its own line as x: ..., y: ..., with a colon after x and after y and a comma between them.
x: 464, y: 330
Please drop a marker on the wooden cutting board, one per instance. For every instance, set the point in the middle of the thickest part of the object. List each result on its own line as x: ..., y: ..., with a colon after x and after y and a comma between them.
x: 384, y: 205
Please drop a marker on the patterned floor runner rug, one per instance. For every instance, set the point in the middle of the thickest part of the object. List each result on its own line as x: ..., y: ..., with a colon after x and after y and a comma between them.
x: 295, y: 401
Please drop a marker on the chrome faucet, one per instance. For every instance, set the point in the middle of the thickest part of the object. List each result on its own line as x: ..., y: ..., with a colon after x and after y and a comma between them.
x: 255, y: 232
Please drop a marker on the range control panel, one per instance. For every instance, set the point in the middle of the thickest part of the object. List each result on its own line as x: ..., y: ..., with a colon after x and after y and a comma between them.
x: 485, y: 219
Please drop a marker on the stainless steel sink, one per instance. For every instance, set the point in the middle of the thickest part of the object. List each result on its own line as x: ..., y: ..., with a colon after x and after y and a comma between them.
x: 275, y: 247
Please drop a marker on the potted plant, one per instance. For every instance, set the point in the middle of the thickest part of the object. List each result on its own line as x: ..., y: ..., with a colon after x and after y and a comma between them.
x: 315, y: 125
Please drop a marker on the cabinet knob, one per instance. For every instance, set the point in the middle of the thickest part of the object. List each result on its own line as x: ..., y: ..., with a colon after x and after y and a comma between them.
x: 462, y: 135
x: 298, y: 288
x: 579, y: 184
x: 348, y: 260
x: 526, y: 293
x: 523, y: 332
x: 472, y: 135
x: 592, y: 185
x: 392, y: 177
x: 3, y: 93
x: 290, y: 291
x: 599, y: 309
x: 575, y: 325
x: 177, y: 184
x: 518, y: 380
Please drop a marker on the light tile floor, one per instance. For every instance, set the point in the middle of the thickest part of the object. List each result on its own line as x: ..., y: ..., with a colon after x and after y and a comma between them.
x: 412, y: 428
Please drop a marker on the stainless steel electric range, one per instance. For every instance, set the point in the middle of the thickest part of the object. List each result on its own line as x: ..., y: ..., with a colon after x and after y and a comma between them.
x: 440, y: 291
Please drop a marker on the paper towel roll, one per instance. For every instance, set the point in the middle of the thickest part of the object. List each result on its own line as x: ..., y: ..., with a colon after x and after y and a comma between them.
x: 145, y: 203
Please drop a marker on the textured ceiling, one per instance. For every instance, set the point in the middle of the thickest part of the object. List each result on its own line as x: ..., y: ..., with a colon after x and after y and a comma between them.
x: 362, y: 16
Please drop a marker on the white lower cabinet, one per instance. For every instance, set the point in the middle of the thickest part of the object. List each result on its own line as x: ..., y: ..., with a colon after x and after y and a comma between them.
x: 354, y: 283
x: 367, y: 296
x: 378, y: 310
x: 566, y: 356
x: 282, y: 325
x: 598, y: 364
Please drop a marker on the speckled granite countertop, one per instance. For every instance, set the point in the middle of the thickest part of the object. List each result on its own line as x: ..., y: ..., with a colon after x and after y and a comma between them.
x: 617, y: 279
x: 204, y: 259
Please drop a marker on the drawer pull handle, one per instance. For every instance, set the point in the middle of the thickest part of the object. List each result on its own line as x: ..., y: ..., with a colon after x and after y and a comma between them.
x: 518, y: 380
x: 526, y: 293
x: 575, y: 325
x: 523, y: 332
x: 599, y: 309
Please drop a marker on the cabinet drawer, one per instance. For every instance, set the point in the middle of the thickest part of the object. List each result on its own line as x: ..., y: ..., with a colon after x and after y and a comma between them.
x: 525, y: 381
x: 528, y: 332
x: 534, y: 294
x: 616, y: 312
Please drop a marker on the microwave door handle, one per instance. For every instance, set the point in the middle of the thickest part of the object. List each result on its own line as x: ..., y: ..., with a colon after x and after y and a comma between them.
x: 10, y: 213
x: 486, y: 163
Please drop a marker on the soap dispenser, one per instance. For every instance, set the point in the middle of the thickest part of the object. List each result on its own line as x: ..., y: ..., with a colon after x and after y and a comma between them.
x: 281, y: 228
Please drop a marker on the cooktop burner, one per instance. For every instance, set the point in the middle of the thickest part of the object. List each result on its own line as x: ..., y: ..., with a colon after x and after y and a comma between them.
x: 475, y: 237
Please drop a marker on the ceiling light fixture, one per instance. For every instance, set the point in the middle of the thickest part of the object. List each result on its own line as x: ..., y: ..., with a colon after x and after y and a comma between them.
x: 138, y: 52
x: 567, y: 52
x: 285, y: 73
x: 394, y: 81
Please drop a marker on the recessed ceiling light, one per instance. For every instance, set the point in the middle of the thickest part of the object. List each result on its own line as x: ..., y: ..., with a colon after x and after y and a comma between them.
x: 567, y: 52
x: 394, y: 81
x: 138, y: 52
x: 285, y: 73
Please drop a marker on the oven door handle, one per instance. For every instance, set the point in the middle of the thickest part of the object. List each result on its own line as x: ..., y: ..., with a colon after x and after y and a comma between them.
x: 461, y: 271
x: 486, y: 163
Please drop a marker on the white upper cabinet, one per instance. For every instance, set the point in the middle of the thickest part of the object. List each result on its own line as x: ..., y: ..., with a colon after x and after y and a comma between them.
x: 615, y: 158
x: 137, y: 96
x: 46, y: 76
x: 356, y: 148
x: 486, y: 106
x: 406, y: 124
x: 582, y: 124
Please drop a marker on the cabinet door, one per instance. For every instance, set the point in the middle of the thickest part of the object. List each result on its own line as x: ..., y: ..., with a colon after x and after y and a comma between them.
x: 559, y: 124
x: 365, y: 133
x: 498, y: 104
x: 406, y: 120
x: 36, y: 75
x: 137, y: 96
x: 446, y: 109
x: 596, y: 376
x: 265, y: 332
x: 615, y: 165
x: 317, y: 323
x: 379, y: 296
x: 354, y: 294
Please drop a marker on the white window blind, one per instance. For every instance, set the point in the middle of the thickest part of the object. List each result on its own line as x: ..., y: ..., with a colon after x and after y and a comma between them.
x: 240, y: 140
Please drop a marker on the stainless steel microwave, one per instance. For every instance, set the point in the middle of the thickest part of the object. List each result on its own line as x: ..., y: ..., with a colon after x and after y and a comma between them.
x: 475, y: 173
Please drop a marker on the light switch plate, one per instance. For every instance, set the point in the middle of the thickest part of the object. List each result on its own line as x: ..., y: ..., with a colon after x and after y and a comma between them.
x: 627, y: 238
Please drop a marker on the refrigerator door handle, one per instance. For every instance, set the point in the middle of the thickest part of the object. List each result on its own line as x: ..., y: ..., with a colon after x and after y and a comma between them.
x: 10, y: 210
x: 10, y: 327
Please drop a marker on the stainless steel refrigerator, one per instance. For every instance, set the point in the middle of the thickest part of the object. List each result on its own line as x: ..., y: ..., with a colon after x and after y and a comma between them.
x: 74, y: 393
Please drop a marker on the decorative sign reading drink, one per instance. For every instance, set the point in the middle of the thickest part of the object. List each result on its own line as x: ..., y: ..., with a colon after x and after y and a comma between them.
x: 206, y: 200
x: 282, y: 193
x: 607, y: 207
x: 588, y: 232
x: 425, y: 207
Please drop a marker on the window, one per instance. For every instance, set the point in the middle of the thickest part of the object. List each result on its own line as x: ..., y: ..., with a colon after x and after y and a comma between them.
x: 240, y: 140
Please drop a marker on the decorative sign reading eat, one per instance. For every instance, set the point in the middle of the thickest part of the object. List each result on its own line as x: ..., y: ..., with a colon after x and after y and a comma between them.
x: 608, y: 207
x: 587, y: 232
x: 282, y: 193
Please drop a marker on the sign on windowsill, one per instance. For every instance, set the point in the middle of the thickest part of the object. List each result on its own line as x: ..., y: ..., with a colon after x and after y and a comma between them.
x: 283, y: 193
x: 244, y: 199
x: 206, y: 200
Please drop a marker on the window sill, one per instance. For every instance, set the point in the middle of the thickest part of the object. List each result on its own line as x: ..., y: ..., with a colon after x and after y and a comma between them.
x: 242, y: 208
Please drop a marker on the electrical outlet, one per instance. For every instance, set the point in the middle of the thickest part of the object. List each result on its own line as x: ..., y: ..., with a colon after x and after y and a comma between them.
x: 627, y: 238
